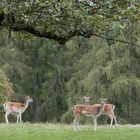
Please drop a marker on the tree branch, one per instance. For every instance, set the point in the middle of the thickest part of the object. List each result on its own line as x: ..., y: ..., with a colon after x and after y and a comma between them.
x: 61, y: 38
x: 51, y: 35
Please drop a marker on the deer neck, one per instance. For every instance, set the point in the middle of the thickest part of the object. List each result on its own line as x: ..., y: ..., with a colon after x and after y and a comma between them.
x: 26, y: 104
x: 102, y: 106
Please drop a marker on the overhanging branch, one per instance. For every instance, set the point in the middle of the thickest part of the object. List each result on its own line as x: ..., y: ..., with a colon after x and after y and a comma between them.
x: 61, y: 38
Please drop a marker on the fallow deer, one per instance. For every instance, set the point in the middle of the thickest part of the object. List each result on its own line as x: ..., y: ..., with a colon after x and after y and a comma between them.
x: 16, y: 108
x: 93, y: 111
x: 108, y: 110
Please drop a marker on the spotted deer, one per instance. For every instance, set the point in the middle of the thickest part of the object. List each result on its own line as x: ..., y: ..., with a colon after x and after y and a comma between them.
x: 16, y: 108
x: 93, y: 111
x: 108, y: 110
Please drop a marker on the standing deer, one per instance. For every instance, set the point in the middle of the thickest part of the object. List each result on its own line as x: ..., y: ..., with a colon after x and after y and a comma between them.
x: 93, y: 111
x: 16, y: 108
x: 108, y: 110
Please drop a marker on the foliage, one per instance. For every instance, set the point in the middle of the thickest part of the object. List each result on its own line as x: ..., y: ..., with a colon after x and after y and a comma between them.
x: 6, y: 90
x: 62, y: 19
x: 100, y: 57
x: 5, y: 87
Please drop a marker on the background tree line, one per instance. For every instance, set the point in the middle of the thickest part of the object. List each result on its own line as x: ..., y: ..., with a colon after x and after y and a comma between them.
x: 100, y: 58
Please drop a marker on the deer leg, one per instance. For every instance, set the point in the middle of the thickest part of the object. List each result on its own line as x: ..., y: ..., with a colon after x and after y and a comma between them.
x: 76, y: 123
x: 111, y: 123
x: 95, y: 123
x: 18, y: 116
x: 115, y: 120
x: 6, y: 116
x: 113, y: 117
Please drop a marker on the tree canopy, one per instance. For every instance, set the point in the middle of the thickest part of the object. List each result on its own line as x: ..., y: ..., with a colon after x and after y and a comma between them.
x: 62, y: 19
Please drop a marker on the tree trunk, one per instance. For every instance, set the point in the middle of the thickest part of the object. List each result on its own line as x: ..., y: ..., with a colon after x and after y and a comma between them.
x: 36, y: 108
x: 130, y: 101
x: 35, y: 86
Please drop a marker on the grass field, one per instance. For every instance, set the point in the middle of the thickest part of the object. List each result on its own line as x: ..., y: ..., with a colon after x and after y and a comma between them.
x: 27, y: 131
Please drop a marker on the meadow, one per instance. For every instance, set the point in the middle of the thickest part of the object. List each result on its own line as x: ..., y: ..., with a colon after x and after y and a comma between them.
x: 27, y: 131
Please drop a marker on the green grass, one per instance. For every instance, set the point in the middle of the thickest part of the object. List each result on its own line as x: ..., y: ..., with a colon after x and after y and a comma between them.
x: 28, y: 131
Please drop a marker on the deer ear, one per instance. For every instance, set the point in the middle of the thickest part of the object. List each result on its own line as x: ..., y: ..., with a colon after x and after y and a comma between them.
x: 27, y: 97
x: 101, y: 99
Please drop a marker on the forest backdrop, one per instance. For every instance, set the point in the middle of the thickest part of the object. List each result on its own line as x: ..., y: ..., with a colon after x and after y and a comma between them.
x: 58, y: 51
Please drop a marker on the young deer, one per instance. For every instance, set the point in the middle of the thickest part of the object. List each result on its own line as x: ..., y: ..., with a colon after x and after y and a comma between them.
x: 108, y: 110
x: 16, y: 108
x: 93, y: 111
